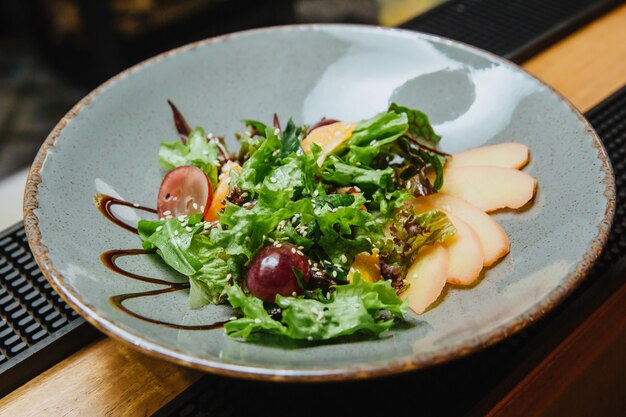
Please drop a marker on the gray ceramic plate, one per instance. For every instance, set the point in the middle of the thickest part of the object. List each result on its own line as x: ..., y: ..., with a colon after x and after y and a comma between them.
x: 108, y: 143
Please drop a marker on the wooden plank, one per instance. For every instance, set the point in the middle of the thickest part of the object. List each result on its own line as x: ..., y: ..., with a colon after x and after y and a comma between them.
x: 589, y: 65
x: 107, y: 378
x: 104, y: 378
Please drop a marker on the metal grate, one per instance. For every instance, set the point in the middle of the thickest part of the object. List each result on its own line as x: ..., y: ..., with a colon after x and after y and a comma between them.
x: 515, y: 29
x: 30, y: 309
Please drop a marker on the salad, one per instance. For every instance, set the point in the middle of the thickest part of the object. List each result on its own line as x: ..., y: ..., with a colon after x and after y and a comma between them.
x: 316, y: 232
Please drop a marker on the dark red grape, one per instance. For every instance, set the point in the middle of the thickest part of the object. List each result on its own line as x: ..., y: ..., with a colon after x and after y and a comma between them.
x: 271, y: 272
x: 321, y: 123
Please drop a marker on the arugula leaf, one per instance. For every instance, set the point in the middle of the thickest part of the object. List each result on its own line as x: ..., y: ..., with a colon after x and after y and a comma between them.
x: 290, y: 139
x: 197, y: 151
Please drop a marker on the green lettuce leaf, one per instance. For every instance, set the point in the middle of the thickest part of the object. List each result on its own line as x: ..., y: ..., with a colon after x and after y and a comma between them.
x: 419, y: 127
x: 351, y: 308
x: 255, y: 317
x: 371, y: 135
x: 208, y: 284
x: 338, y: 172
x: 198, y: 151
x: 172, y: 239
x: 190, y: 253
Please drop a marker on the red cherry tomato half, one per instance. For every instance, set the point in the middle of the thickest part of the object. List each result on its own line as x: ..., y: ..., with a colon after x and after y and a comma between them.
x: 185, y: 191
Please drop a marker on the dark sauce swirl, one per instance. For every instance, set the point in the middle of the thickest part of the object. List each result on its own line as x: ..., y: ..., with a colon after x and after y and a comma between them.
x: 105, y: 202
x: 108, y: 258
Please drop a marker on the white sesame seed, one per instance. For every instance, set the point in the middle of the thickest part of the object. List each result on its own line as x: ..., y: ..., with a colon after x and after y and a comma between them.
x: 278, y: 245
x: 276, y: 152
x: 316, y: 193
x: 175, y: 232
x: 181, y: 217
x: 232, y: 318
x: 299, y: 252
x: 276, y: 131
x: 300, y: 247
x: 334, y: 274
x: 159, y: 228
x: 162, y: 218
x: 206, y: 226
x: 273, y: 180
x: 270, y: 240
x: 293, y: 250
x: 195, y: 205
x: 293, y: 294
x: 135, y: 205
x: 209, y: 136
x: 167, y: 213
x: 202, y: 208
x: 344, y: 259
x: 189, y: 229
x: 257, y: 321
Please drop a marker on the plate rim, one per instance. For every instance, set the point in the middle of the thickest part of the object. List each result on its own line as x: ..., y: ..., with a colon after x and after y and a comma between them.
x: 259, y: 372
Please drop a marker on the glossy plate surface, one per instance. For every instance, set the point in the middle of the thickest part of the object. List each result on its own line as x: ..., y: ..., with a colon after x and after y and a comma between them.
x: 108, y: 143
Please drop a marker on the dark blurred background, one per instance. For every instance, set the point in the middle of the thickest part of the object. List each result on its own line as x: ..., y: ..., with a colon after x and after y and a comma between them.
x: 53, y: 52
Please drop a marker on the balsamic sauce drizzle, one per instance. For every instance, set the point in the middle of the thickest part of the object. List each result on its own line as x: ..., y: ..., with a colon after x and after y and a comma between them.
x: 108, y: 258
x: 105, y: 202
